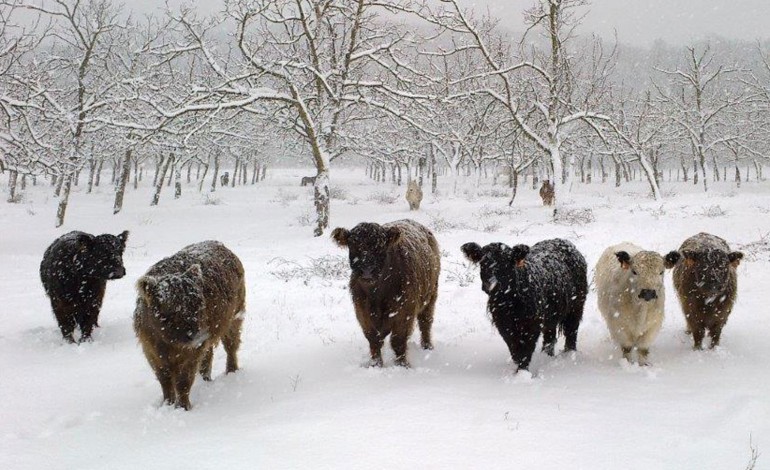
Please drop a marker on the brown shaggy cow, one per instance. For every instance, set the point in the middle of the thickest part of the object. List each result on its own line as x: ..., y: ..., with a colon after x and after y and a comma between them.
x: 307, y: 180
x: 707, y: 284
x: 187, y: 303
x: 546, y: 193
x: 413, y: 195
x: 394, y: 279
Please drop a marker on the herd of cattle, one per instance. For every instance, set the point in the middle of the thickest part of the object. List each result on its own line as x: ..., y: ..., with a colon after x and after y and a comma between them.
x: 189, y: 302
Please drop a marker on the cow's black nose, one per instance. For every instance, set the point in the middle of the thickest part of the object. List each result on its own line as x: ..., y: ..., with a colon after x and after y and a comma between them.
x: 648, y: 294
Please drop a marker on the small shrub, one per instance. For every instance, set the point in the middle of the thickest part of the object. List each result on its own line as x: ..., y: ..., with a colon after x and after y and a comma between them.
x: 579, y: 216
x: 460, y: 273
x: 305, y: 219
x: 758, y: 249
x: 211, y: 200
x: 495, y: 192
x: 338, y: 193
x: 284, y: 197
x: 382, y: 197
x: 439, y: 224
x: 713, y: 211
x: 325, y: 268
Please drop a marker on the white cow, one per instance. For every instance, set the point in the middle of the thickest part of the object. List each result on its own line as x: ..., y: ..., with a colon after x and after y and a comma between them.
x: 629, y: 284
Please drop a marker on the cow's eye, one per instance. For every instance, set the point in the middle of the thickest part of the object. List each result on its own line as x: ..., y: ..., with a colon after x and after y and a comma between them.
x: 633, y: 272
x: 662, y: 272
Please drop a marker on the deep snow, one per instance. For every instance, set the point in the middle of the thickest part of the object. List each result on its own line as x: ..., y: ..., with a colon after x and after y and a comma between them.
x: 302, y: 398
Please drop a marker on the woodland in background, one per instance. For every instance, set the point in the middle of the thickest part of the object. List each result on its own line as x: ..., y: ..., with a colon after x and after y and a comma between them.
x: 407, y: 88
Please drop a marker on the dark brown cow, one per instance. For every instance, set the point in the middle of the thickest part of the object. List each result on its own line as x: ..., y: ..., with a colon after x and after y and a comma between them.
x: 307, y: 180
x: 394, y: 279
x: 187, y: 303
x: 706, y: 282
x: 547, y: 193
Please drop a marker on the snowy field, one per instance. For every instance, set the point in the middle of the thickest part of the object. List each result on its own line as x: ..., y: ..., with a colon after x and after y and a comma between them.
x: 302, y: 398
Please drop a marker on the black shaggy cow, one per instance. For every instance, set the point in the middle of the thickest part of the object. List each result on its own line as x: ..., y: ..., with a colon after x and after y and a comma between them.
x: 393, y: 281
x: 532, y: 290
x: 75, y: 270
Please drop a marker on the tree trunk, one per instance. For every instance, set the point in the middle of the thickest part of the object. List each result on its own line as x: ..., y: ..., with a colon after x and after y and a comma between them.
x: 321, y: 201
x: 264, y: 171
x: 62, y: 209
x: 59, y: 185
x: 161, y: 178
x: 98, y: 179
x: 737, y: 176
x: 203, y: 178
x: 158, y: 165
x: 121, y: 189
x: 173, y: 170
x: 136, y: 173
x: 91, y: 174
x: 514, y: 184
x: 235, y: 172
x: 178, y: 182
x: 216, y: 173
x: 12, y: 177
x: 189, y: 171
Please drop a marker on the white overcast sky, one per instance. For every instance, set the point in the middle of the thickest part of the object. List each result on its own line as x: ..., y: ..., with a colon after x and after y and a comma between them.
x: 637, y: 21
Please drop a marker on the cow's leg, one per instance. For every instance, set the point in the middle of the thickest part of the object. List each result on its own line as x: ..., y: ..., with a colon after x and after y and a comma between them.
x: 398, y: 337
x: 627, y: 350
x: 643, y: 353
x: 425, y: 322
x: 88, y: 313
x: 65, y: 317
x: 232, y: 342
x: 162, y: 368
x: 698, y: 332
x: 521, y: 341
x: 208, y: 359
x: 571, y: 322
x: 549, y: 339
x: 716, y: 333
x: 372, y: 332
x: 183, y: 381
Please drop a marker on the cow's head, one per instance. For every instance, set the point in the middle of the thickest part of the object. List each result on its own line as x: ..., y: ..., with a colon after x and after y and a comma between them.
x: 711, y: 267
x: 646, y: 269
x: 176, y: 301
x: 101, y: 256
x: 498, y: 263
x: 367, y: 245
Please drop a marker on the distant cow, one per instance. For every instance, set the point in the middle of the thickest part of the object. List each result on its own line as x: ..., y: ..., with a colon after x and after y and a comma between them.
x: 631, y: 295
x: 308, y: 180
x: 532, y: 290
x: 394, y: 279
x: 547, y: 193
x: 707, y: 284
x: 413, y: 195
x: 74, y: 271
x: 187, y: 303
x: 224, y: 179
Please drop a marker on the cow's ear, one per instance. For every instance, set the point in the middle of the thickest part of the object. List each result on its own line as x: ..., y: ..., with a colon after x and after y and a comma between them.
x: 393, y: 234
x: 146, y: 287
x: 123, y: 237
x: 690, y: 257
x: 735, y: 258
x: 671, y: 259
x: 473, y: 252
x: 519, y: 254
x: 624, y: 258
x: 340, y: 236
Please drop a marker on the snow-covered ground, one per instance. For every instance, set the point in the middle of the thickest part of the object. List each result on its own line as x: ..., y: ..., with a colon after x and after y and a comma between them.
x: 302, y: 398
